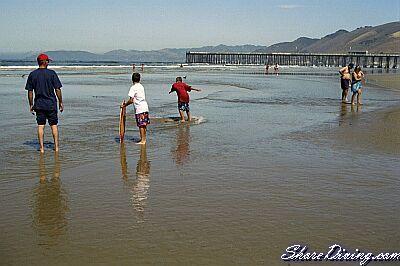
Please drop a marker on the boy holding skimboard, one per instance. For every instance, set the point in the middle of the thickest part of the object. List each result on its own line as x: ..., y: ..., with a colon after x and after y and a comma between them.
x: 138, y: 98
x: 182, y: 90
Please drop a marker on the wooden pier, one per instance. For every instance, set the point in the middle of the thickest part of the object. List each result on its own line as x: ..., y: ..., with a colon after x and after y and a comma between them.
x: 295, y: 59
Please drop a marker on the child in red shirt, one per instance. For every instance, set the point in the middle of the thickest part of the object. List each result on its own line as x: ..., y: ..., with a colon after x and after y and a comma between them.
x: 182, y: 90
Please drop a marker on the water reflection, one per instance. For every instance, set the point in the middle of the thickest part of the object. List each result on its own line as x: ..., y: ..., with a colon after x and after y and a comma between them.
x: 346, y: 117
x: 181, y: 154
x: 342, y: 114
x: 50, y: 203
x: 124, y: 164
x: 355, y: 110
x: 140, y: 185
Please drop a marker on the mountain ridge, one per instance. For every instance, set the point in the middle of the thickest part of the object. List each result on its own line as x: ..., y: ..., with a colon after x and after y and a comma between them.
x: 376, y: 39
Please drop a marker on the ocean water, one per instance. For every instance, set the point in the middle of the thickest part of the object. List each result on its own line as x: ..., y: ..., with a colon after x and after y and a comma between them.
x: 252, y: 175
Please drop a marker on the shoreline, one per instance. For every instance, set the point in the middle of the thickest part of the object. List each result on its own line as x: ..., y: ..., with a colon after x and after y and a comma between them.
x: 372, y: 131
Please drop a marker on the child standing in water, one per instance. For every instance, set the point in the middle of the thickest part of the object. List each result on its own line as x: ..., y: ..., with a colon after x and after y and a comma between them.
x: 182, y: 90
x: 138, y: 98
x: 356, y: 85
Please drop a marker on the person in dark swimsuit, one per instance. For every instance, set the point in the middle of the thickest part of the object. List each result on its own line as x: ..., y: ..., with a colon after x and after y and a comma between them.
x: 345, y: 80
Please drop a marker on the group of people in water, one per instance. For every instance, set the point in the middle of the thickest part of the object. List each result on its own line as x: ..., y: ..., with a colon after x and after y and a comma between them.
x: 44, y: 89
x: 138, y: 98
x: 276, y: 69
x: 351, y: 80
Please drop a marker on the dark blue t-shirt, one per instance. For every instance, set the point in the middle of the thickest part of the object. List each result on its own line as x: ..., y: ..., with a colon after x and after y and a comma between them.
x: 43, y: 82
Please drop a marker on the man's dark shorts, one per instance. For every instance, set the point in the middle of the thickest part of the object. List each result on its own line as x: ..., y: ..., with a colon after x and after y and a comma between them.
x: 183, y: 106
x: 345, y: 84
x: 50, y: 115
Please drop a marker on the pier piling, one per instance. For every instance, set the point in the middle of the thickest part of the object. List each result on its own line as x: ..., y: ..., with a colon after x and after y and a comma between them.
x: 294, y: 59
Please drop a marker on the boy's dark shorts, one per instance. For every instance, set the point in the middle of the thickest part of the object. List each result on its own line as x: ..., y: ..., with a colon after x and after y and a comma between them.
x: 183, y: 106
x: 49, y: 115
x: 345, y: 84
x: 142, y: 119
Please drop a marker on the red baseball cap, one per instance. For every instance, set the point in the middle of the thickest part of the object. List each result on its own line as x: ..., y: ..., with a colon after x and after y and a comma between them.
x: 43, y: 57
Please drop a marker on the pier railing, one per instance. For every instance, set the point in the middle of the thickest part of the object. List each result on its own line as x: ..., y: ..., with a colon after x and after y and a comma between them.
x: 294, y: 59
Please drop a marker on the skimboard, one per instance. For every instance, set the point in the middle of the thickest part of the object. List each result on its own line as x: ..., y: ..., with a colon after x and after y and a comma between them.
x: 176, y: 120
x: 122, y: 120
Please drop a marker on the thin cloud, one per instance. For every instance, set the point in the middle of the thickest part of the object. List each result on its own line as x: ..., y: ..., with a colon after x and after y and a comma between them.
x: 289, y: 6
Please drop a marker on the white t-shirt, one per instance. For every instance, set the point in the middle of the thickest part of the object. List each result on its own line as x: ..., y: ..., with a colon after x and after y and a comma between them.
x: 137, y: 93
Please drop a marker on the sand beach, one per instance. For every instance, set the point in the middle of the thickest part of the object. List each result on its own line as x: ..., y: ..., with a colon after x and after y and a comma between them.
x: 268, y: 162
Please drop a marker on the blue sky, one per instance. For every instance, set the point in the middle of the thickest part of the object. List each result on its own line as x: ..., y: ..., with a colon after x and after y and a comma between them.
x: 104, y: 25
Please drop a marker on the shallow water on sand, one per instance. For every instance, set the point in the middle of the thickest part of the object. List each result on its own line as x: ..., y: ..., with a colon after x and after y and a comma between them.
x: 253, y: 174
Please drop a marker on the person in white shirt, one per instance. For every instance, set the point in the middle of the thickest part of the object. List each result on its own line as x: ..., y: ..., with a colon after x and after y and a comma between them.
x: 138, y: 98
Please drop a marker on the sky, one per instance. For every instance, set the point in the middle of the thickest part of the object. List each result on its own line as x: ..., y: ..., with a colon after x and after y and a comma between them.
x: 104, y: 25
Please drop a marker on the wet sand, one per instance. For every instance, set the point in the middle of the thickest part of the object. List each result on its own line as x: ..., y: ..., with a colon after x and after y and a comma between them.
x: 371, y: 132
x: 389, y: 81
x: 378, y: 131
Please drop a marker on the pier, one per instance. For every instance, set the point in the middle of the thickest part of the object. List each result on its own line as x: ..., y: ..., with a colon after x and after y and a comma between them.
x: 295, y: 59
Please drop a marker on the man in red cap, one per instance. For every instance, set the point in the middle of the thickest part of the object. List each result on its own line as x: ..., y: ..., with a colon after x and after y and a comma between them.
x: 45, y: 84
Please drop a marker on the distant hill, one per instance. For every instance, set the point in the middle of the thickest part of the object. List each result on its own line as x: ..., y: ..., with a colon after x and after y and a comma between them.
x: 383, y: 38
x: 289, y: 47
x: 163, y: 55
x: 71, y: 55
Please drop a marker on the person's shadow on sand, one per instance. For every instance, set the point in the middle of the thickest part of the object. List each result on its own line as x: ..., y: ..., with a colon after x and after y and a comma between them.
x: 35, y: 144
x: 126, y: 139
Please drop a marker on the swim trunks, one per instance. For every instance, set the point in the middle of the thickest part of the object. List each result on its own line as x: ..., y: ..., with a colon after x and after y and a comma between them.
x: 345, y: 84
x: 142, y: 119
x: 183, y: 106
x: 356, y: 86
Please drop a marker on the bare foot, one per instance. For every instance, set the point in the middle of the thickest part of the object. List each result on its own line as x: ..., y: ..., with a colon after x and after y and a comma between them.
x: 359, y: 103
x: 41, y: 150
x: 353, y: 103
x: 141, y: 142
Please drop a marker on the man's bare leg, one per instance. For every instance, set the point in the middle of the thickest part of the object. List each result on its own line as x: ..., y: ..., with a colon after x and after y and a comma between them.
x: 182, y: 116
x: 40, y: 133
x: 54, y: 130
x: 359, y: 97
x: 189, y: 115
x: 142, y: 131
x: 345, y: 93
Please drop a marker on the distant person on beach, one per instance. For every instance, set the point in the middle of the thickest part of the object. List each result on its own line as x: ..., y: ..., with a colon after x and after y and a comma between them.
x: 182, y: 90
x: 133, y: 68
x: 266, y: 68
x: 142, y: 67
x: 45, y: 85
x: 138, y: 98
x: 276, y: 69
x: 356, y: 85
x: 345, y: 80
